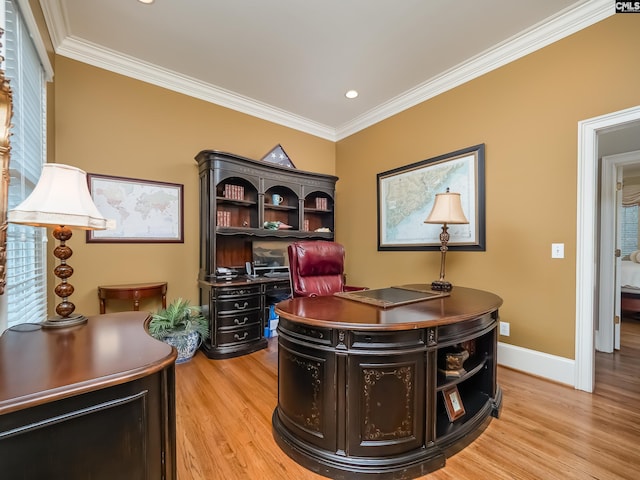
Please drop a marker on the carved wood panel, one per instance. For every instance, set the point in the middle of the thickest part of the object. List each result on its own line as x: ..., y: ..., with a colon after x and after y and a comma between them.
x: 307, y: 397
x: 388, y: 411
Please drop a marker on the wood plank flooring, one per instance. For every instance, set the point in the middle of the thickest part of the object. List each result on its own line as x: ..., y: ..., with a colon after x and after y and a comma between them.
x: 545, y: 430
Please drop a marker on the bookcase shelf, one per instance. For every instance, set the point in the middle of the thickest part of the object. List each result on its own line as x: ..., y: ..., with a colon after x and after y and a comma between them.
x: 237, y: 196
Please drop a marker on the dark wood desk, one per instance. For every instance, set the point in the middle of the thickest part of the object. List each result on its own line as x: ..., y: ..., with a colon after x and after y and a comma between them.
x: 361, y: 392
x: 92, y: 401
x: 134, y: 291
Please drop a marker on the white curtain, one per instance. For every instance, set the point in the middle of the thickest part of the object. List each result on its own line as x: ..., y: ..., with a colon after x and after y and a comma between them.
x: 630, y: 195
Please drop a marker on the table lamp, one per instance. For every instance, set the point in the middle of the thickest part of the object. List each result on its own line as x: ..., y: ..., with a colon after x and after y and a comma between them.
x: 447, y: 209
x: 61, y: 199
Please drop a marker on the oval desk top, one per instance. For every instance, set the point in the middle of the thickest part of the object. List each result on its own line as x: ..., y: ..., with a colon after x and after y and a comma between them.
x: 42, y: 365
x: 345, y: 313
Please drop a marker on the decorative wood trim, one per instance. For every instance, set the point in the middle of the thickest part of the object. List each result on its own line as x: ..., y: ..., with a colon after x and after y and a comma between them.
x: 5, y: 148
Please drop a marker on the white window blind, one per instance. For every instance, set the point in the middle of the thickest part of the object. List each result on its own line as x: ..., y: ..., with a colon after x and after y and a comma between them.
x: 26, y: 246
x: 629, y: 229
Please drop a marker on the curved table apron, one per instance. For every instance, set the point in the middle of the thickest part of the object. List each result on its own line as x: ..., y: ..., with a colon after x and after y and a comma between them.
x: 362, y: 390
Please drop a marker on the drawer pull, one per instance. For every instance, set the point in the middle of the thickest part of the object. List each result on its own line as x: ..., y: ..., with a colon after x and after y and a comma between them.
x: 241, y: 322
x: 246, y: 304
x: 237, y: 337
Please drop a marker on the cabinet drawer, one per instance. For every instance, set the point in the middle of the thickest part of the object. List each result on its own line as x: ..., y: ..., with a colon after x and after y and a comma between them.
x: 240, y: 335
x: 388, y: 340
x: 237, y: 291
x: 237, y: 304
x: 238, y: 320
x: 279, y: 288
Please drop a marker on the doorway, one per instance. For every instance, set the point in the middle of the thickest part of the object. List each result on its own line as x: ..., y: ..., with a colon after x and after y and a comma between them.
x: 614, y: 169
x: 593, y: 134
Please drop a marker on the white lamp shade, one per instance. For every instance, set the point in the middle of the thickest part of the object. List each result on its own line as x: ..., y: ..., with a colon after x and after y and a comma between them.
x: 447, y: 208
x: 61, y: 197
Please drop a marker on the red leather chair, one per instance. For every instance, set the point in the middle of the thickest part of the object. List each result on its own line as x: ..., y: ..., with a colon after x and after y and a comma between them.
x: 317, y: 268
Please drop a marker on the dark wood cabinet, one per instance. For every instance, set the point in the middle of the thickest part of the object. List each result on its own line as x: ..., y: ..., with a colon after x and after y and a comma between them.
x: 361, y: 389
x: 93, y: 401
x: 236, y: 199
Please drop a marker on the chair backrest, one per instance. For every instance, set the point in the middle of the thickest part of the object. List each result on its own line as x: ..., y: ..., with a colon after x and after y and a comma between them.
x: 317, y: 268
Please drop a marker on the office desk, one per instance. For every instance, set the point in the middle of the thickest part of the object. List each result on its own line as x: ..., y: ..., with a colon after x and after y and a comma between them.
x: 92, y: 401
x: 361, y: 388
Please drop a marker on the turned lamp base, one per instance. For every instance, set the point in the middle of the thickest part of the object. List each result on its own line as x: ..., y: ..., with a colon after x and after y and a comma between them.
x: 64, y: 322
x: 441, y: 286
x: 66, y: 317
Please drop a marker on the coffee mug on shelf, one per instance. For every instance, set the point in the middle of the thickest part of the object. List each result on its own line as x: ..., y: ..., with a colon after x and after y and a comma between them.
x: 276, y: 199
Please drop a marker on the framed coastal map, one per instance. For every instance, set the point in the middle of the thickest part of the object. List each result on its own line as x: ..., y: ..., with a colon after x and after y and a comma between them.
x: 406, y: 195
x: 144, y: 211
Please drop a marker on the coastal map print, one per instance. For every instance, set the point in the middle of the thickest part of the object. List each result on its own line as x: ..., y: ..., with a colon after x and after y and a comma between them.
x: 407, y: 199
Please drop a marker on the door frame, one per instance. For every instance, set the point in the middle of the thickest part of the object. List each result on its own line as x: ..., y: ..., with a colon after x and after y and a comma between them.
x: 607, y: 336
x: 586, y: 241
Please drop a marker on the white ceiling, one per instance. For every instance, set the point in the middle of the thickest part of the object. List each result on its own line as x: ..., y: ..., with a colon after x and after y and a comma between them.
x: 291, y: 61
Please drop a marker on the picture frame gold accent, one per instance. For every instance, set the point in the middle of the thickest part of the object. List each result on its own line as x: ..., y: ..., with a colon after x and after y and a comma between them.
x: 6, y: 111
x: 453, y: 403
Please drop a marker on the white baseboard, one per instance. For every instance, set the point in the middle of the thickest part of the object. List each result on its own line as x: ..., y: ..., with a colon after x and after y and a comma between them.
x: 552, y: 367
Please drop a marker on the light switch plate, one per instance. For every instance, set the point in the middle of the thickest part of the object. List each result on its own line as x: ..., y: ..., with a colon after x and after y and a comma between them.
x: 557, y: 250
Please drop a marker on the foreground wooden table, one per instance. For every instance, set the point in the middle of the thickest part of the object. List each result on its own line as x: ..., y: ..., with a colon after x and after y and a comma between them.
x: 361, y: 389
x: 92, y: 401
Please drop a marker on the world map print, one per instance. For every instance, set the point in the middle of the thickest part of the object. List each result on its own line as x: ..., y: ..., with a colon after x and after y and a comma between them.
x: 407, y: 199
x: 141, y: 210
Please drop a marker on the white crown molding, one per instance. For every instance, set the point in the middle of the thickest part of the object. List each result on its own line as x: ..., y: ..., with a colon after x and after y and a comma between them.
x: 116, y: 62
x: 56, y: 19
x: 562, y: 25
x: 535, y: 38
x: 92, y: 54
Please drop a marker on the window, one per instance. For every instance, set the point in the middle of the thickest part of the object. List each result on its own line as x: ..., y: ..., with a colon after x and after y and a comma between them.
x: 25, y: 296
x: 629, y: 230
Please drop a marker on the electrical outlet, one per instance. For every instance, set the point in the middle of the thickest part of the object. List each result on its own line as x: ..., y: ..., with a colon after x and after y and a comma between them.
x: 504, y: 329
x: 557, y: 250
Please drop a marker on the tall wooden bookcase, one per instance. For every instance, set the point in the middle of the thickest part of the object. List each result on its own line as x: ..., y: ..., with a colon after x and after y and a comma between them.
x: 235, y: 202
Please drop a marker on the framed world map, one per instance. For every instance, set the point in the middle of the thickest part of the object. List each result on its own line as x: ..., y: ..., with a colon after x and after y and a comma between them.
x: 144, y: 211
x: 406, y: 195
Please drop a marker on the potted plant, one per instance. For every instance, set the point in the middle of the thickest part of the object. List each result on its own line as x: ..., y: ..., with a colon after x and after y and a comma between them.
x: 180, y: 325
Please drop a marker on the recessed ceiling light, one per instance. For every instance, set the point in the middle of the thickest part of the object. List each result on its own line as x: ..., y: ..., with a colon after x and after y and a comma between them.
x: 146, y: 1
x: 351, y: 94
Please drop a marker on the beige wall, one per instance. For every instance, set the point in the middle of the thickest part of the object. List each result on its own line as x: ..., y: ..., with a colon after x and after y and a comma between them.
x: 527, y: 114
x: 113, y: 125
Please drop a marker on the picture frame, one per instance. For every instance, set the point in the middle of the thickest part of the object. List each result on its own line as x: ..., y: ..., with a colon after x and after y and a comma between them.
x: 453, y: 403
x: 278, y: 156
x: 144, y: 211
x: 406, y: 195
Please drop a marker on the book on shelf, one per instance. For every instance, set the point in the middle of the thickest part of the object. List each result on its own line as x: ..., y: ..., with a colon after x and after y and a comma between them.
x: 223, y: 218
x: 233, y: 192
x: 321, y: 203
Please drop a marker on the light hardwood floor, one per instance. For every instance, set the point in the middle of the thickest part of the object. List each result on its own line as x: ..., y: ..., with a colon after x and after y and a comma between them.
x: 546, y: 431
